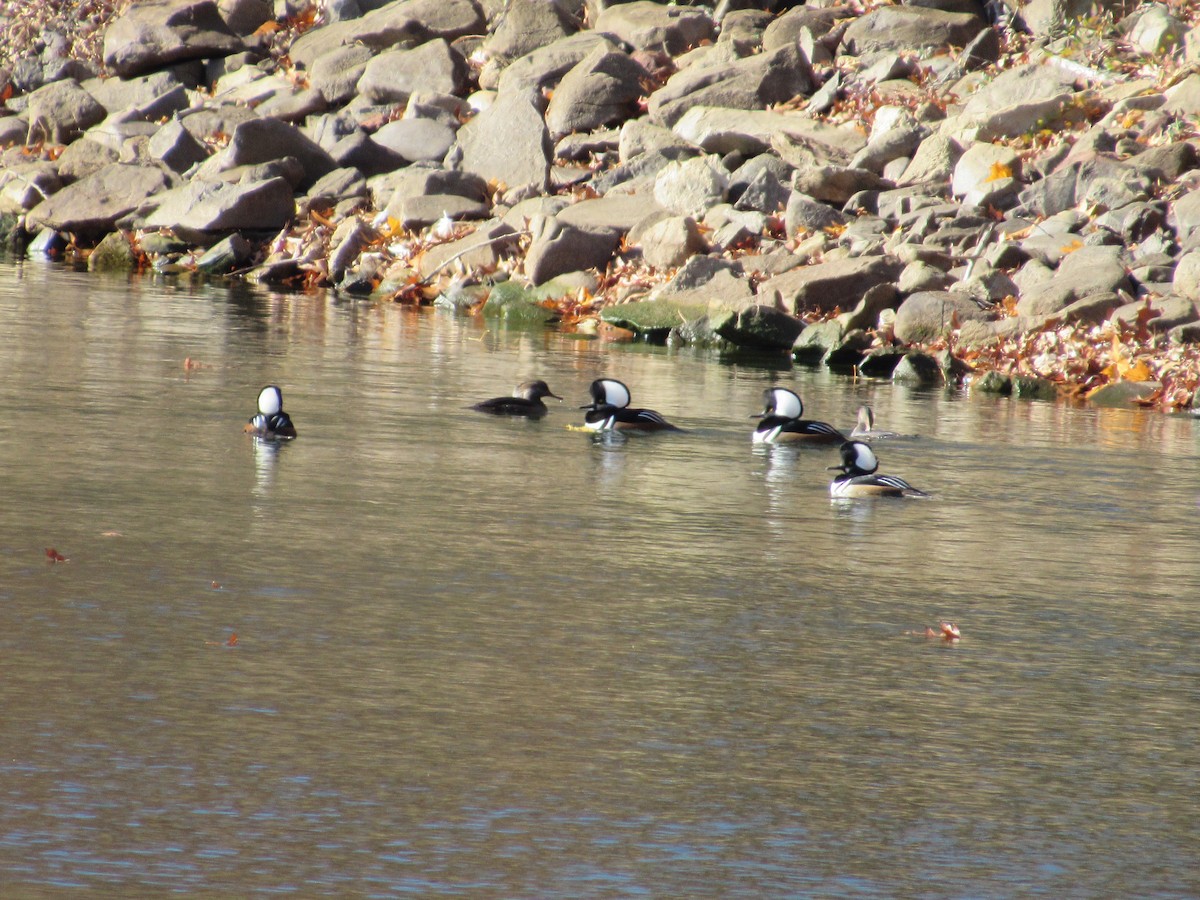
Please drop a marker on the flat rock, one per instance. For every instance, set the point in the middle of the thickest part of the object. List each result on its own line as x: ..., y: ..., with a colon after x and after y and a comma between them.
x: 1082, y: 272
x: 406, y: 23
x: 614, y: 214
x: 654, y: 26
x: 543, y: 68
x: 201, y: 210
x: 156, y: 33
x: 336, y: 73
x: 416, y: 140
x: 753, y: 83
x: 797, y: 139
x: 92, y: 206
x: 839, y: 283
x: 909, y: 28
x: 266, y: 140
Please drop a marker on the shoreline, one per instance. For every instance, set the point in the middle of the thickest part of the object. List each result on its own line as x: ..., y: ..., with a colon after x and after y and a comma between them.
x: 947, y: 194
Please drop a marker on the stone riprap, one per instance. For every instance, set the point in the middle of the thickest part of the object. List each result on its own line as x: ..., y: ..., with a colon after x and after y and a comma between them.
x: 846, y: 183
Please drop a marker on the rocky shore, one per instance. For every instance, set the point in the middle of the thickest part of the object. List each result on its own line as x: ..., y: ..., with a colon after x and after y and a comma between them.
x: 940, y: 190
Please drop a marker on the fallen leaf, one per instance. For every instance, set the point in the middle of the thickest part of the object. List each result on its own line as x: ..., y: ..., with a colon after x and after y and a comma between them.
x: 54, y: 556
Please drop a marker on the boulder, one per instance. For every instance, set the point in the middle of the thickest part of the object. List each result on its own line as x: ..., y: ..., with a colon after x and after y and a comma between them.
x: 760, y: 328
x: 753, y: 83
x: 646, y: 25
x: 909, y: 28
x: 1082, y: 272
x: 671, y: 241
x: 528, y: 25
x: 508, y: 143
x: 92, y: 206
x: 929, y: 315
x: 543, y: 68
x: 336, y: 73
x: 405, y: 23
x: 200, y: 211
x: 393, y: 76
x: 839, y: 283
x: 416, y: 140
x: 25, y: 185
x: 154, y: 34
x: 557, y: 248
x: 265, y: 140
x: 689, y: 187
x: 60, y: 112
x: 601, y: 89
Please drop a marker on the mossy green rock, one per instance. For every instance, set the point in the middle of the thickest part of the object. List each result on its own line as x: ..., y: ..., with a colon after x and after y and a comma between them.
x: 158, y: 244
x: 992, y: 383
x: 654, y: 319
x: 817, y: 340
x: 113, y: 254
x: 758, y: 328
x: 1032, y: 388
x: 918, y: 368
x: 515, y: 305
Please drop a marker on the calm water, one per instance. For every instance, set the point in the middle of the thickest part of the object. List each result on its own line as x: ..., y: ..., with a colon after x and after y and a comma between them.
x: 502, y: 659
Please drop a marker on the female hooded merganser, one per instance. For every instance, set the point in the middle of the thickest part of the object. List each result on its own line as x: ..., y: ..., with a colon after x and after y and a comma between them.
x: 865, y: 429
x: 271, y: 421
x: 609, y: 410
x: 858, y: 478
x: 526, y: 400
x: 781, y: 422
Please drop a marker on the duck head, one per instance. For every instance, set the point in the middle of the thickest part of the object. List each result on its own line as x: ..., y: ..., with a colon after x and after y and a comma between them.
x: 781, y: 402
x: 857, y: 459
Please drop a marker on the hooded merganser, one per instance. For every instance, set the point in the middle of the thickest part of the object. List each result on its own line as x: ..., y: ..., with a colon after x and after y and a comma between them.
x: 271, y: 421
x: 858, y: 478
x: 609, y: 410
x: 526, y: 400
x: 865, y: 430
x: 781, y: 422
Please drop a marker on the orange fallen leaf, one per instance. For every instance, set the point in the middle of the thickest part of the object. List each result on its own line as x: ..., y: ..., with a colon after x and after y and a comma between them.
x: 997, y: 171
x: 54, y: 556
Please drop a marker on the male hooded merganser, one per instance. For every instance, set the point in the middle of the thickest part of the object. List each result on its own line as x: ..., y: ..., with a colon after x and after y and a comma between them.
x: 609, y: 410
x: 858, y: 478
x: 271, y: 421
x: 526, y: 400
x: 865, y: 429
x: 781, y: 422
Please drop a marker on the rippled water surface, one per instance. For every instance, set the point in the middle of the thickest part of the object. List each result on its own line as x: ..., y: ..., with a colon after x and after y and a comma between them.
x: 490, y: 658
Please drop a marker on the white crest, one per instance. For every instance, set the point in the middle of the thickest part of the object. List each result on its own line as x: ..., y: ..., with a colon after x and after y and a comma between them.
x: 615, y: 393
x: 785, y: 403
x: 864, y: 457
x: 270, y: 400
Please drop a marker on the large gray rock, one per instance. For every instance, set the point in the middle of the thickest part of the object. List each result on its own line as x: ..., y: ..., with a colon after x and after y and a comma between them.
x: 1082, y: 273
x: 174, y: 146
x: 601, y: 90
x: 201, y: 210
x: 154, y: 34
x: 61, y: 111
x: 613, y: 214
x: 1019, y: 100
x: 753, y: 83
x: 527, y: 25
x: 416, y: 140
x: 671, y: 241
x: 654, y: 26
x: 556, y: 249
x: 544, y: 68
x: 393, y: 76
x: 838, y: 283
x: 265, y: 140
x: 92, y: 206
x: 909, y: 28
x: 508, y: 143
x: 336, y: 73
x: 689, y: 187
x: 25, y: 185
x: 929, y: 315
x: 406, y: 23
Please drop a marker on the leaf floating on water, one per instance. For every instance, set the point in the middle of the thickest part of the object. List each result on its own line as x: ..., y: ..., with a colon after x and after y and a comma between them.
x: 54, y: 556
x: 947, y: 631
x: 216, y: 585
x: 231, y: 641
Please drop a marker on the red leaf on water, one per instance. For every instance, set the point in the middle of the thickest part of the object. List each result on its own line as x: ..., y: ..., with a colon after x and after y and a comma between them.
x: 54, y: 556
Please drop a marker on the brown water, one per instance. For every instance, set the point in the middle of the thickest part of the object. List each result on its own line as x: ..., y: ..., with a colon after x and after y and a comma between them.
x: 506, y: 659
